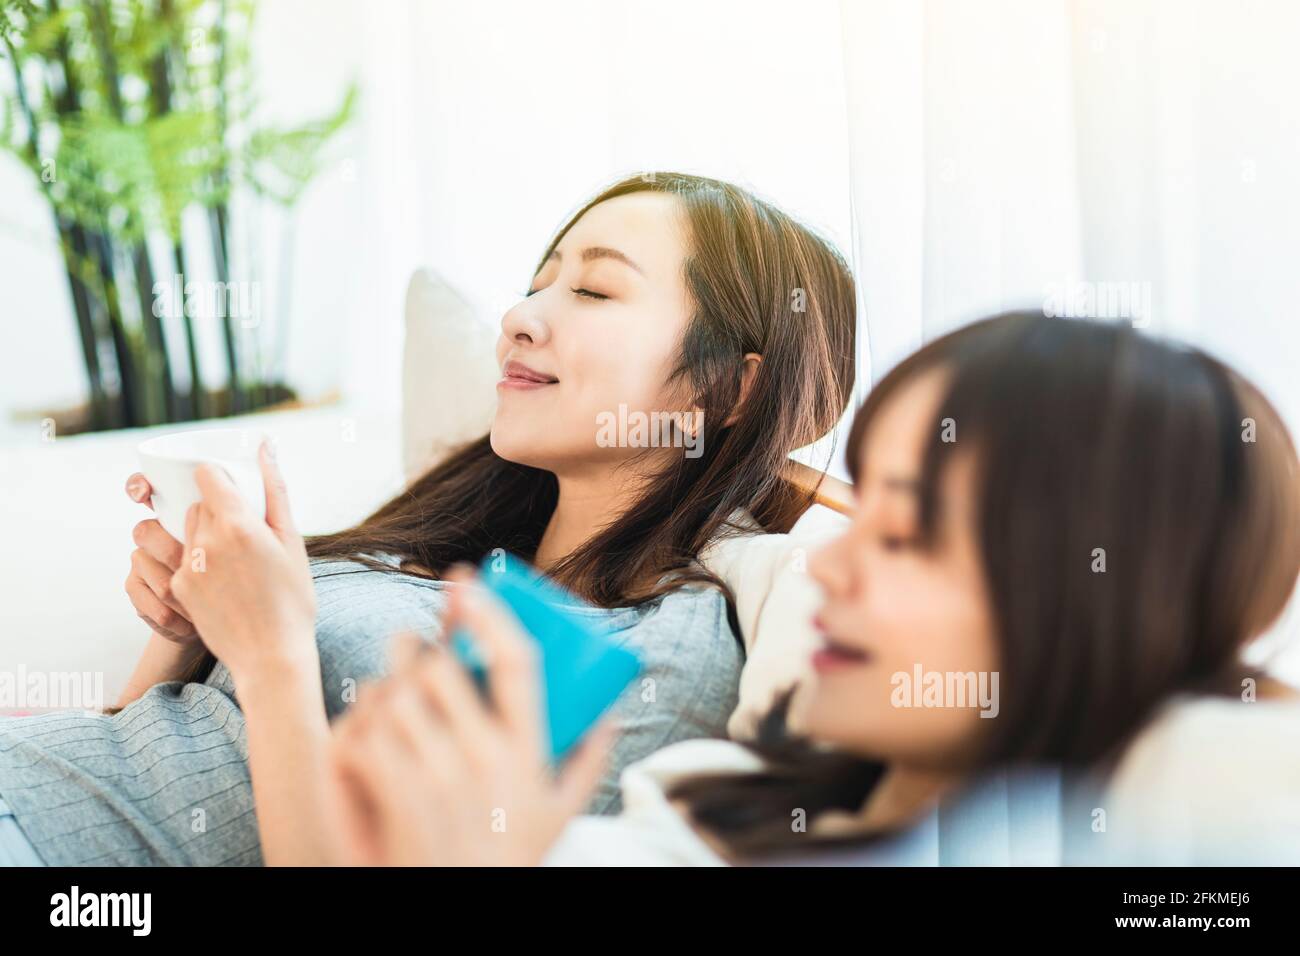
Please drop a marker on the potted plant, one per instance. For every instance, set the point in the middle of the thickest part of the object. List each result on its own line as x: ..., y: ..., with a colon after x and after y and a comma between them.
x: 134, y: 115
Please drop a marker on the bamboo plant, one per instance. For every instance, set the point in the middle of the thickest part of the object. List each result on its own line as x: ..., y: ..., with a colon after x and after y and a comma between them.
x: 132, y: 115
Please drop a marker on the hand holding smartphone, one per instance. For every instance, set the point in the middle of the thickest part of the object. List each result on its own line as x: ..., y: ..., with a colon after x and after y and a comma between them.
x: 583, y: 670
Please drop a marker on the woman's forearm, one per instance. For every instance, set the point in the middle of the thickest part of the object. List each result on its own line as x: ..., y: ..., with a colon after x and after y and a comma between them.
x: 162, y: 661
x: 288, y: 760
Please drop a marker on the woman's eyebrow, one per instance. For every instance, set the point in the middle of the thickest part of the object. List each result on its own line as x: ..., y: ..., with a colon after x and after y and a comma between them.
x: 902, y: 485
x: 599, y: 252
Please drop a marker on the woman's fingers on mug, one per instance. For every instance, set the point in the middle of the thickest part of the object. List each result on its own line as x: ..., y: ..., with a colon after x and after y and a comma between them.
x: 153, y: 539
x: 158, y: 577
x: 278, y: 515
x: 139, y: 490
x: 217, y: 491
x: 192, y: 515
x: 160, y: 618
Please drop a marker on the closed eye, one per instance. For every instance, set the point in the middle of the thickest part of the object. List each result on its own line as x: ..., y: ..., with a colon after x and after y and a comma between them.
x: 896, y: 542
x: 584, y: 293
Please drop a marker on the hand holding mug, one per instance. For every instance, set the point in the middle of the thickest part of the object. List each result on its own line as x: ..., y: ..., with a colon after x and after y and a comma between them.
x: 246, y: 583
x: 153, y: 562
x: 167, y: 486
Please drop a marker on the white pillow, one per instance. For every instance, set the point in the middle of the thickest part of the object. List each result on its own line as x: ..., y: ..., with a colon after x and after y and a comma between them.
x: 449, y: 373
x: 775, y: 603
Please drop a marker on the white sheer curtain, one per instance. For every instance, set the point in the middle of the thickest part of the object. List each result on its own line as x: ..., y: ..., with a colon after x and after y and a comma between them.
x: 964, y: 176
x: 1005, y: 150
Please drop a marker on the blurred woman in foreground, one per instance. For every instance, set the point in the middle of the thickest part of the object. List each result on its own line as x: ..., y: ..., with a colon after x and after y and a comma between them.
x: 1099, y: 521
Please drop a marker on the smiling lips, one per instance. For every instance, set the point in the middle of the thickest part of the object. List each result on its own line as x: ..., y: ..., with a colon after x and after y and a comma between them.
x: 518, y: 376
x: 832, y: 655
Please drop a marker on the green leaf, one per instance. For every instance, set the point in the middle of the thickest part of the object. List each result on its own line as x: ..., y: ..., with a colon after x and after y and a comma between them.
x: 283, y: 161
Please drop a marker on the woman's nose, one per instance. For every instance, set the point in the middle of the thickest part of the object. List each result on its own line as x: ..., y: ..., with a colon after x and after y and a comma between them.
x: 829, y: 566
x: 524, y: 324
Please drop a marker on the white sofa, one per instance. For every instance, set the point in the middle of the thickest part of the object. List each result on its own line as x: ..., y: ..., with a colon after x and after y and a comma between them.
x: 69, y: 523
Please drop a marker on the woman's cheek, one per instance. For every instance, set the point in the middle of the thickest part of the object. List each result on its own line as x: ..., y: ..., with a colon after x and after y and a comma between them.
x: 895, y: 603
x: 909, y: 622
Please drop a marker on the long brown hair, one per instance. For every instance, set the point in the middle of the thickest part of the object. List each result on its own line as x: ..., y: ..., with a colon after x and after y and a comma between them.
x: 1087, y: 436
x: 761, y: 282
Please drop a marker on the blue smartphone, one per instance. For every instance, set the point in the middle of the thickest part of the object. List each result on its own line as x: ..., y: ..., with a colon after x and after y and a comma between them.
x: 583, y: 670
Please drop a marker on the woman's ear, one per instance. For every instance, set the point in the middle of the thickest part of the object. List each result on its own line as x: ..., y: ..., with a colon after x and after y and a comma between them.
x: 752, y: 361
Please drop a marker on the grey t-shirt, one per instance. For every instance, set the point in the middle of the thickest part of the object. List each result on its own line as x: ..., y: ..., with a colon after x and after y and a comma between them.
x: 165, y: 781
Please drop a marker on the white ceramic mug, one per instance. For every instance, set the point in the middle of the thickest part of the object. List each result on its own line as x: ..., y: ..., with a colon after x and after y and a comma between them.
x: 168, y: 461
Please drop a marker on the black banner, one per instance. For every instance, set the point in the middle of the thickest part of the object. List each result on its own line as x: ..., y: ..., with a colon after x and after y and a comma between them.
x: 338, y: 905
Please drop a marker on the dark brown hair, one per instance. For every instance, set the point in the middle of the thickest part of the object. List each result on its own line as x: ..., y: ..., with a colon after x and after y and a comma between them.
x: 760, y: 282
x: 1086, y: 436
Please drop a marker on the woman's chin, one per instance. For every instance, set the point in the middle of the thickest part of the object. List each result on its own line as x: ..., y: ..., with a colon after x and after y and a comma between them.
x: 513, y: 442
x: 517, y: 442
x: 826, y: 717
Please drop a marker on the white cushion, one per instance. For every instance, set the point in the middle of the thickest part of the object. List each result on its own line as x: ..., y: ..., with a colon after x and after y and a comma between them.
x: 775, y: 603
x: 449, y: 373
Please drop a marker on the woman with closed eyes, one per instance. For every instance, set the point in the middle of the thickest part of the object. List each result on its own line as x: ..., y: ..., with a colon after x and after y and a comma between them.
x: 667, y: 293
